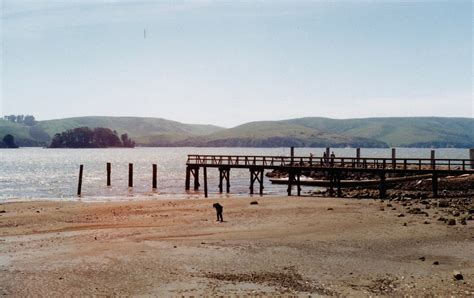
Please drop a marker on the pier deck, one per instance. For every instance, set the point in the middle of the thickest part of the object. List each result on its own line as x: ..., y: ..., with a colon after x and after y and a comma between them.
x: 333, y: 168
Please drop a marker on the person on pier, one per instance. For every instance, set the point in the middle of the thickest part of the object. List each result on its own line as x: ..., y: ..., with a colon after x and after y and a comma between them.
x: 333, y: 156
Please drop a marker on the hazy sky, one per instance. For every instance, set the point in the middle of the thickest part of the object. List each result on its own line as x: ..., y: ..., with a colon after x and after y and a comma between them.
x: 230, y: 62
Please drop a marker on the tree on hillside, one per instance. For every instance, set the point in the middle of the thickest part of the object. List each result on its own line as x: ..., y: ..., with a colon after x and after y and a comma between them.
x: 9, y: 141
x: 22, y: 119
x: 11, y: 118
x: 105, y: 137
x: 29, y: 120
x: 126, y: 141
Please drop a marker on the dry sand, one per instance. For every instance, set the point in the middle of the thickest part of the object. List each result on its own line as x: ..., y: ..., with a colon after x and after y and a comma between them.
x: 297, y: 245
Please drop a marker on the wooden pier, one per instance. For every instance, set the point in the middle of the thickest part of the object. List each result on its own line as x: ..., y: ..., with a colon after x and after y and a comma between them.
x: 334, y: 169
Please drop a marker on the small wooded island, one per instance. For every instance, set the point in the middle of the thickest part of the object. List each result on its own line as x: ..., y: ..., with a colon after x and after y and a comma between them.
x: 85, y: 137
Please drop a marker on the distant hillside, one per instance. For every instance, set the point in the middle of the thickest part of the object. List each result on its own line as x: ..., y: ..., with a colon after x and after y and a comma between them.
x: 278, y: 134
x: 302, y: 132
x: 136, y: 127
x: 399, y: 131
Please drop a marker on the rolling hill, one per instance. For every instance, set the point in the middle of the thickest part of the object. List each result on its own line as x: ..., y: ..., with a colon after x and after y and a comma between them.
x: 301, y: 132
x: 279, y: 134
x: 400, y: 131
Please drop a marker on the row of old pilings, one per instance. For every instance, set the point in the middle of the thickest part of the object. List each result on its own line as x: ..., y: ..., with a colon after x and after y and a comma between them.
x: 108, y: 169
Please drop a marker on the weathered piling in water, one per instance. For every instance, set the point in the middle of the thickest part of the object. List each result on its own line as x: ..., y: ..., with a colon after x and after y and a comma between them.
x: 79, y: 184
x: 130, y: 175
x: 109, y: 172
x: 153, y: 183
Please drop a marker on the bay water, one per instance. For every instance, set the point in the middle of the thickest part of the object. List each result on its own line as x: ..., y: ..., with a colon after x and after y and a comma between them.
x: 52, y: 174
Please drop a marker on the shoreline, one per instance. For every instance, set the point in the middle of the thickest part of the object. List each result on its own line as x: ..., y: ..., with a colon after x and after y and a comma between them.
x: 282, y: 245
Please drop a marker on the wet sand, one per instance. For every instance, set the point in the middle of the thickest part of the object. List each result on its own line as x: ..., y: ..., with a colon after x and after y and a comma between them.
x: 297, y: 245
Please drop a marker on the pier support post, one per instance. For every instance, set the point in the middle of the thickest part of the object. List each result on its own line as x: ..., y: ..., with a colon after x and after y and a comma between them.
x: 382, y: 186
x: 330, y: 174
x: 256, y: 175
x: 433, y: 159
x: 358, y: 156
x: 224, y: 175
x: 109, y: 172
x: 434, y: 183
x: 298, y: 183
x: 394, y: 156
x: 195, y: 173
x: 358, y: 162
x: 153, y: 183
x: 130, y: 175
x: 292, y: 155
x: 79, y: 184
x: 291, y: 180
x: 471, y: 157
x: 187, y: 183
x: 205, y: 181
x: 338, y: 184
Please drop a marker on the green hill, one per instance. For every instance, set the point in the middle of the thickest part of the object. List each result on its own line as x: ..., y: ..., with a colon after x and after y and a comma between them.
x: 279, y: 134
x: 136, y: 127
x: 399, y: 131
x: 301, y: 132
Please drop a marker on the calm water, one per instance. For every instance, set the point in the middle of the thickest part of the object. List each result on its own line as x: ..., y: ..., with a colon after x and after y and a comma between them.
x: 36, y: 173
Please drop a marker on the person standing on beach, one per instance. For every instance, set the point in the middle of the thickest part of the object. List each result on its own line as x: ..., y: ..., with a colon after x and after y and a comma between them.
x: 219, y: 210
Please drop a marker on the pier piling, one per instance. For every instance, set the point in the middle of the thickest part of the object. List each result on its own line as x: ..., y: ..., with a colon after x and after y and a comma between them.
x: 153, y: 183
x: 195, y: 173
x: 109, y: 172
x: 292, y: 155
x: 188, y: 178
x: 130, y: 175
x: 434, y: 183
x: 433, y: 164
x: 394, y: 156
x: 382, y: 186
x: 471, y: 156
x: 205, y: 181
x: 79, y: 184
x: 224, y: 175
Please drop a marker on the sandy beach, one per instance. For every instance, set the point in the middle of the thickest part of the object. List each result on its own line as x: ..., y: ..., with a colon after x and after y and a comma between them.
x: 282, y: 245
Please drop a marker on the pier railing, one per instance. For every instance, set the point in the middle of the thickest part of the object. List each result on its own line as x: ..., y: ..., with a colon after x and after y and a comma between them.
x: 338, y: 162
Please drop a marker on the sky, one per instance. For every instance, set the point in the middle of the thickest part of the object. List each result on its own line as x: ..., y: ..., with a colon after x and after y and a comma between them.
x: 231, y: 62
